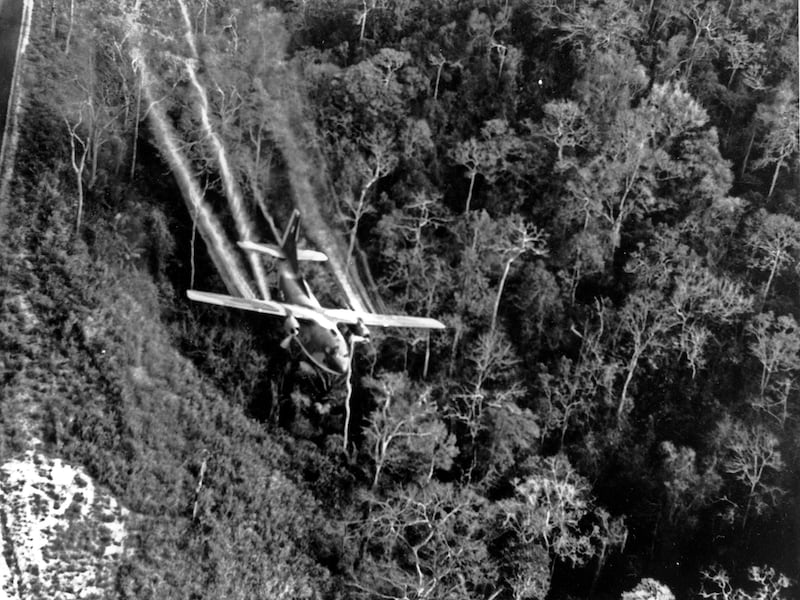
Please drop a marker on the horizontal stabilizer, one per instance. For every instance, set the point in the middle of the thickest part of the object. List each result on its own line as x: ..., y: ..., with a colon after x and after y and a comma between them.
x: 276, y: 252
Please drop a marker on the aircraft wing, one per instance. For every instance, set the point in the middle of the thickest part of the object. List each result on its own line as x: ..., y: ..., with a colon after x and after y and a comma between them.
x: 353, y: 317
x: 278, y: 309
x: 338, y: 315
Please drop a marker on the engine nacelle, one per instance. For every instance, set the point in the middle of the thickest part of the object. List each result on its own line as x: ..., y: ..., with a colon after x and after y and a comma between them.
x: 360, y: 330
x: 291, y: 326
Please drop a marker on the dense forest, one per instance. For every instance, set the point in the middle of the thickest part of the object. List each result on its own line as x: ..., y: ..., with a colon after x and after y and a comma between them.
x: 599, y: 199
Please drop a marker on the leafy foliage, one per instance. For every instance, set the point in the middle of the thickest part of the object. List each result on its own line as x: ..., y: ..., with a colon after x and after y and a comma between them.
x: 598, y: 199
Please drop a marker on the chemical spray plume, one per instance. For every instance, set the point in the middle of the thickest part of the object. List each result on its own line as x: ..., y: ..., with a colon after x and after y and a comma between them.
x: 289, y: 125
x: 244, y: 225
x: 222, y: 253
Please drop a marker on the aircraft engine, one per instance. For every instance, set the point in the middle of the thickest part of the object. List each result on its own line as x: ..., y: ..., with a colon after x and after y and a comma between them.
x: 292, y: 329
x: 291, y: 325
x: 359, y: 332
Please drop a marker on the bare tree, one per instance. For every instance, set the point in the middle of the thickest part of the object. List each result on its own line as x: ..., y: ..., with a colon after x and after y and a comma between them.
x: 522, y: 239
x: 775, y: 244
x: 80, y: 144
x: 405, y: 430
x: 549, y: 507
x: 440, y: 62
x: 422, y: 543
x: 70, y: 26
x: 486, y: 155
x: 379, y: 162
x: 577, y: 388
x: 645, y: 324
x: 751, y: 455
x: 717, y: 584
x: 564, y: 127
x: 706, y: 20
x: 367, y: 6
x: 776, y: 345
x: 782, y: 140
x: 491, y: 359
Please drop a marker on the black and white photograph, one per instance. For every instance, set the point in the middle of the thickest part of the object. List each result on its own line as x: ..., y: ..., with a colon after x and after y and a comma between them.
x: 399, y: 300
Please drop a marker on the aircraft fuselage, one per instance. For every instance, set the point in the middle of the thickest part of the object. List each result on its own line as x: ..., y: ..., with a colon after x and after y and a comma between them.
x: 320, y: 339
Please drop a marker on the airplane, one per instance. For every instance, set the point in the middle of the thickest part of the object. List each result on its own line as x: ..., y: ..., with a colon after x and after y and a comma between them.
x: 306, y: 321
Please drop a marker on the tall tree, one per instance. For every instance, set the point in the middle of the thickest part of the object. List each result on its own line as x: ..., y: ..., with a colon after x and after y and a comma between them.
x: 548, y: 508
x: 776, y: 346
x: 750, y: 454
x: 424, y: 543
x: 489, y: 155
x: 781, y: 142
x: 404, y: 436
x: 775, y: 246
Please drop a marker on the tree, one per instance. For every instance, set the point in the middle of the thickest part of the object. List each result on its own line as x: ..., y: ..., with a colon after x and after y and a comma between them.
x: 649, y: 589
x: 440, y: 62
x: 70, y: 26
x: 477, y: 235
x: 79, y: 150
x: 97, y: 120
x: 707, y: 22
x: 415, y: 273
x: 770, y: 584
x: 775, y: 243
x: 700, y: 298
x: 367, y: 6
x: 423, y: 543
x: 688, y: 485
x: 629, y: 157
x: 564, y: 127
x: 91, y: 94
x: 744, y: 55
x: 590, y: 30
x: 379, y: 162
x: 577, y: 388
x: 491, y: 361
x: 548, y: 509
x: 751, y: 455
x: 485, y: 32
x: 644, y: 325
x: 404, y: 434
x: 776, y: 346
x: 522, y: 239
x: 780, y: 117
x: 489, y: 155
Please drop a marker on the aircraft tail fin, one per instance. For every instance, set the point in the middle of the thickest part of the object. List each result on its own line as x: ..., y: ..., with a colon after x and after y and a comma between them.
x: 290, y: 238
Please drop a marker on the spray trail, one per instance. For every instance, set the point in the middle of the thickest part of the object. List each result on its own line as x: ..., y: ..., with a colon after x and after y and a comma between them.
x: 8, y: 146
x: 289, y: 125
x: 315, y: 226
x: 222, y: 253
x: 233, y: 193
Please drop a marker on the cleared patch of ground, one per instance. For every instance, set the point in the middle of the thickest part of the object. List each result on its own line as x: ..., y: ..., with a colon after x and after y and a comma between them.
x: 61, y: 537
